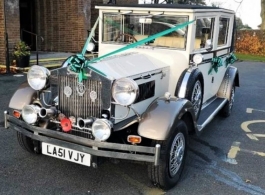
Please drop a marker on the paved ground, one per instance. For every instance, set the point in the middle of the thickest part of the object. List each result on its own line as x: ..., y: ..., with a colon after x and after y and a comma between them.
x: 228, y: 158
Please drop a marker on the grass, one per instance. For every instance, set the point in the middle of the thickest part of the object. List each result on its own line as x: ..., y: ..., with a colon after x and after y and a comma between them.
x: 248, y: 57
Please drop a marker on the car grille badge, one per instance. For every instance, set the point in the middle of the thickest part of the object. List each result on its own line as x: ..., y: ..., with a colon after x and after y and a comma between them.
x: 93, y: 96
x: 68, y: 91
x: 80, y: 88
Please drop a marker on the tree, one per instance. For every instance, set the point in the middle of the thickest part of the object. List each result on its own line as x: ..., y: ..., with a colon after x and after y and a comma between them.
x: 240, y: 25
x: 262, y: 14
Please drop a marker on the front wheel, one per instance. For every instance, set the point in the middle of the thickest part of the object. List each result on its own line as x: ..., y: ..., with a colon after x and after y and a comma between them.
x: 26, y: 143
x: 172, y: 158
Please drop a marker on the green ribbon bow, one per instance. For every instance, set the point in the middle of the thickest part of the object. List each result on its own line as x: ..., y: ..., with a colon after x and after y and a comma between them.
x: 78, y: 62
x: 216, y: 63
x: 231, y: 59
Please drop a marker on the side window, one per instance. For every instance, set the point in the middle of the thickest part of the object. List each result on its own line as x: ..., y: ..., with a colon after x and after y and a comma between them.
x: 204, y: 33
x: 223, y: 31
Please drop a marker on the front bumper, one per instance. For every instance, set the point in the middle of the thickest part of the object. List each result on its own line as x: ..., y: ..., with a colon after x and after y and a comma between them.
x: 100, y: 149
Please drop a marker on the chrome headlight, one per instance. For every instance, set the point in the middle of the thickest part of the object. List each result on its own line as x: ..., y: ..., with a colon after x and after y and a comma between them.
x: 125, y: 91
x: 101, y: 129
x: 37, y: 77
x: 30, y: 113
x: 90, y: 47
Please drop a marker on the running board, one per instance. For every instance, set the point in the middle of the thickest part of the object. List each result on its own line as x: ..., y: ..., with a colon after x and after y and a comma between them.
x: 208, y: 113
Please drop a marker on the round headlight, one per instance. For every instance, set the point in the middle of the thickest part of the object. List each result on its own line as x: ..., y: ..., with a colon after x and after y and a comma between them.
x: 198, y: 58
x: 101, y: 129
x: 90, y: 47
x: 37, y: 77
x: 125, y: 91
x: 30, y: 113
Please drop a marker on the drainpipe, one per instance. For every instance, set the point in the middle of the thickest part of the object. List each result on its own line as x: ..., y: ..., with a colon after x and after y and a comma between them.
x: 6, y: 41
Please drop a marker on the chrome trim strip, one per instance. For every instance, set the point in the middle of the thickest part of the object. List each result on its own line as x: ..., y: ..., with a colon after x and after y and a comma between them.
x: 184, y: 83
x: 157, y: 154
x: 210, y: 118
x: 5, y: 119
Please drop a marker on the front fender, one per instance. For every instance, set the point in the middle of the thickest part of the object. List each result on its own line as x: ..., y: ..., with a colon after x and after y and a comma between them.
x: 161, y: 116
x: 230, y: 79
x: 23, y: 96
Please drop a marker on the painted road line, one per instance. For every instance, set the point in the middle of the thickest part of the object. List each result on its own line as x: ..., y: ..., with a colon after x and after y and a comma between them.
x: 231, y: 156
x: 252, y: 136
x: 233, y: 152
x: 262, y: 154
x: 250, y: 110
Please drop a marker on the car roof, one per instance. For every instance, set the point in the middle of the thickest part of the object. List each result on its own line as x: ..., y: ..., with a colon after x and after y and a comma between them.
x: 165, y: 6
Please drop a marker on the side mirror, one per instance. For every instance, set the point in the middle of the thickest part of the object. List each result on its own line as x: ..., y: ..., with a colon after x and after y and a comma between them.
x: 93, y: 33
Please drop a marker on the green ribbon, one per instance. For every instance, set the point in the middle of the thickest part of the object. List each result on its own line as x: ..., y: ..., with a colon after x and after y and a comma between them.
x: 216, y: 63
x: 230, y: 59
x: 143, y: 41
x: 79, y: 62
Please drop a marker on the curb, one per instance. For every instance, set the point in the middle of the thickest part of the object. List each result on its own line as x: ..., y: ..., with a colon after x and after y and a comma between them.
x: 25, y: 69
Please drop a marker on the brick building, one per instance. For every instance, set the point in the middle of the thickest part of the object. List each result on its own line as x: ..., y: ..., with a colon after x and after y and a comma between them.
x: 62, y: 23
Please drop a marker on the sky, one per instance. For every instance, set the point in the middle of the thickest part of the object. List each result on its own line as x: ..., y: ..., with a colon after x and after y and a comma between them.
x: 248, y: 11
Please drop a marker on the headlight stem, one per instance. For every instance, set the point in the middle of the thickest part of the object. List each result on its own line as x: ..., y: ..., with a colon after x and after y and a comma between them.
x: 43, y: 99
x: 136, y: 113
x: 128, y: 111
x: 38, y: 95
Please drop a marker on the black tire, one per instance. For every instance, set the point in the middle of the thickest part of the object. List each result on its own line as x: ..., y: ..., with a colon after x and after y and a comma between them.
x: 26, y: 143
x: 227, y: 109
x: 195, y: 85
x: 161, y: 175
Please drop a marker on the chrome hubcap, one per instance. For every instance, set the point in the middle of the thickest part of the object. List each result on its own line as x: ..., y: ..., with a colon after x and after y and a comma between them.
x: 196, y: 97
x: 176, y: 154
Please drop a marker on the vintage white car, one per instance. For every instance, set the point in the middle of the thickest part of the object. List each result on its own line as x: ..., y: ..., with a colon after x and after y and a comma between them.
x: 164, y: 71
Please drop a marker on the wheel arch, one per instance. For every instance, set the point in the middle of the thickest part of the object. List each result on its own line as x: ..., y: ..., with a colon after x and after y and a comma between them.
x: 183, y: 82
x: 231, y: 78
x: 24, y: 95
x: 188, y: 119
x: 162, y: 116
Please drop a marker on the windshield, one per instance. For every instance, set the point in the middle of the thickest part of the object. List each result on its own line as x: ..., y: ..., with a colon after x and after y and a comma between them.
x: 130, y: 28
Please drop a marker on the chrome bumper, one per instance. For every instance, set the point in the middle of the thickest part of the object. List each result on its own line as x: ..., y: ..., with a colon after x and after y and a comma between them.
x: 101, y: 149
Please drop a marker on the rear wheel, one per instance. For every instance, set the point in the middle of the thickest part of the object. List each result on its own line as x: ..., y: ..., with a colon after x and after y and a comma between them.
x: 172, y: 158
x: 26, y: 143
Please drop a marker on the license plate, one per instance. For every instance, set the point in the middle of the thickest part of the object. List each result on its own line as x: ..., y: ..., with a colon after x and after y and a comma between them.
x: 66, y: 154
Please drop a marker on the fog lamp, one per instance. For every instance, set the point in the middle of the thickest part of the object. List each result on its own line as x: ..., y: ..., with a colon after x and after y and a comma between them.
x: 101, y: 129
x: 30, y: 113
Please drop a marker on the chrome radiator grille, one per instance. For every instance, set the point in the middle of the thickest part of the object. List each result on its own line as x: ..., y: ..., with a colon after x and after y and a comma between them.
x: 79, y: 105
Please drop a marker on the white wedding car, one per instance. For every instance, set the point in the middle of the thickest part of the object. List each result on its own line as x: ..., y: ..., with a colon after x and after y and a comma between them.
x: 164, y: 71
